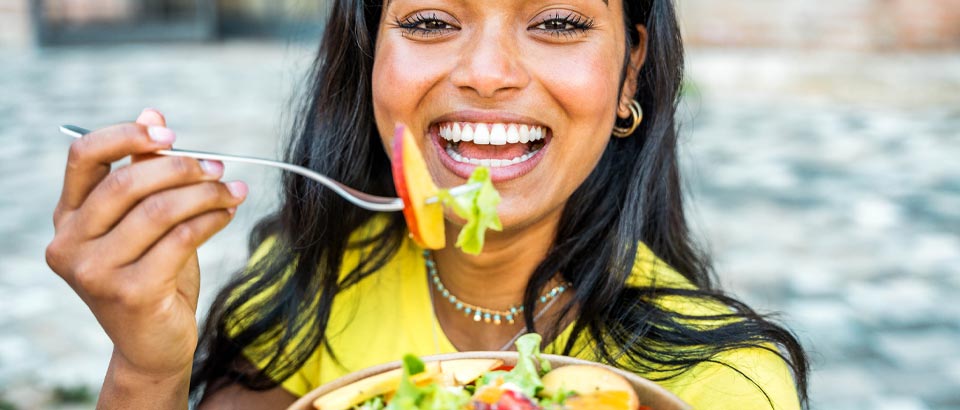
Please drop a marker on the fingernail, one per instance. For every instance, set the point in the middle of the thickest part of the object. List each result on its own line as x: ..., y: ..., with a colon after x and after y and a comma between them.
x: 211, y: 167
x: 162, y: 135
x: 237, y: 188
x: 232, y: 210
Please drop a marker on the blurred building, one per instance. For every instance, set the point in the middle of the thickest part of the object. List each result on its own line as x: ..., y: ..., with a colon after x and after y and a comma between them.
x: 50, y: 22
x: 838, y: 24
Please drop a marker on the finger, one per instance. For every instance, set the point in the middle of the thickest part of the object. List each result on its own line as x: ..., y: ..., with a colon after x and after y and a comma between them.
x: 169, y: 255
x: 157, y: 215
x: 149, y: 117
x: 90, y: 157
x: 124, y: 188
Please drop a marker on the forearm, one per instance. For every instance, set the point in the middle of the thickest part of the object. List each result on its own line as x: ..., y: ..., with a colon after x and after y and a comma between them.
x: 125, y: 388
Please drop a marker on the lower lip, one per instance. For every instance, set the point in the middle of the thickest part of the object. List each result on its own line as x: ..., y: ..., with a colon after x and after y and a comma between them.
x: 497, y: 174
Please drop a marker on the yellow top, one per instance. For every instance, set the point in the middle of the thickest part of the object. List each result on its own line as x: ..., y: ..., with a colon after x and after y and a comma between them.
x: 389, y: 314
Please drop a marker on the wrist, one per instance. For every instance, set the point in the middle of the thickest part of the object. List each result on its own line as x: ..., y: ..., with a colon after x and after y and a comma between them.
x: 126, y: 386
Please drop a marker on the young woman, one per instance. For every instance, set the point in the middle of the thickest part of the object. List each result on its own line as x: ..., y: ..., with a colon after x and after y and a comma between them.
x: 571, y: 103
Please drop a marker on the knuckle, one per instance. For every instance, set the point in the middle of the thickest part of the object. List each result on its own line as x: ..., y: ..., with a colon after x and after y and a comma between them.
x: 78, y: 150
x: 129, y: 296
x: 131, y: 130
x: 213, y: 192
x: 156, y: 208
x: 184, y: 235
x: 55, y: 256
x: 88, y: 277
x: 120, y: 181
x: 57, y: 216
x: 184, y: 167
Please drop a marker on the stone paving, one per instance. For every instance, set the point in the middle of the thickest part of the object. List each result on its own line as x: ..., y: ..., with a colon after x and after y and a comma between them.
x: 826, y: 186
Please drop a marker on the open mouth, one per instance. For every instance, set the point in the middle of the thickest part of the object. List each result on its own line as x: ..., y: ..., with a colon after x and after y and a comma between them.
x: 491, y: 145
x: 508, y: 149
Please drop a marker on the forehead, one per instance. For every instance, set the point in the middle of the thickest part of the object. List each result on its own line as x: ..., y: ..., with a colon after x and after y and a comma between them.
x: 386, y: 3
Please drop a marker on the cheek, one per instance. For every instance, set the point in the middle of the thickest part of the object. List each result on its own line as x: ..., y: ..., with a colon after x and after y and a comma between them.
x: 401, y: 80
x: 585, y: 86
x: 584, y: 82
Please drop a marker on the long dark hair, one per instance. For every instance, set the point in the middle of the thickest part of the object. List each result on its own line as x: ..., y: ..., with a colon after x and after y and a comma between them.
x: 633, y: 195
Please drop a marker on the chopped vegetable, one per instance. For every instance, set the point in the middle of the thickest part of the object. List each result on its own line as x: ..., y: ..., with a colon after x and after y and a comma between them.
x: 479, y: 208
x: 529, y: 385
x: 414, y: 185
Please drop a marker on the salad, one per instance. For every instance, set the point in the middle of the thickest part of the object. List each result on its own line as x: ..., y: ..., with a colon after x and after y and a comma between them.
x: 425, y: 221
x: 487, y: 384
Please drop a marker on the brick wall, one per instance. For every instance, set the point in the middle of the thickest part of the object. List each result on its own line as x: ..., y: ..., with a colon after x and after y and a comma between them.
x: 835, y: 24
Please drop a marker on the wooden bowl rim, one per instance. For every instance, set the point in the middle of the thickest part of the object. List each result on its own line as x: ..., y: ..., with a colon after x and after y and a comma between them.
x: 651, y: 394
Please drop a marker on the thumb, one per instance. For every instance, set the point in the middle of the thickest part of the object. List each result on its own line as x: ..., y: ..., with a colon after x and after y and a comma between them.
x: 152, y: 118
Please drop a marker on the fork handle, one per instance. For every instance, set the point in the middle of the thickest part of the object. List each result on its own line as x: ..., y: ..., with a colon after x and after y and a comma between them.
x: 358, y: 198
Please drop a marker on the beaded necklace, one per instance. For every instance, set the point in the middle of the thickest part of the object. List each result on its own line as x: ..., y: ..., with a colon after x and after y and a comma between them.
x: 478, y: 312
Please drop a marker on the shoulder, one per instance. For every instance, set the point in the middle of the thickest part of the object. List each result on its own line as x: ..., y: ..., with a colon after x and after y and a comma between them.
x: 743, y: 379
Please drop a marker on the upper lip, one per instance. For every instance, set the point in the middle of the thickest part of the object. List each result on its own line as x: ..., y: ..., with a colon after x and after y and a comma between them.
x: 487, y: 117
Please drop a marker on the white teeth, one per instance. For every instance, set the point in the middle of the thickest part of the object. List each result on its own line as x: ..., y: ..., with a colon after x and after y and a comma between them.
x: 492, y: 134
x: 492, y: 163
x: 498, y: 135
x: 481, y: 136
x: 513, y: 136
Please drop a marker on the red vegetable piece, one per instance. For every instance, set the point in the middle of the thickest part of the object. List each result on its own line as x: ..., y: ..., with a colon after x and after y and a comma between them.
x: 511, y: 400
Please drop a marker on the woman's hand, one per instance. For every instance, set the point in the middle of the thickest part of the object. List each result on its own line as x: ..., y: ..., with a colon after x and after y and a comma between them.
x: 126, y: 242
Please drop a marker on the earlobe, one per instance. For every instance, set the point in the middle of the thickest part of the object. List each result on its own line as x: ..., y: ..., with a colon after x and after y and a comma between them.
x: 623, y: 110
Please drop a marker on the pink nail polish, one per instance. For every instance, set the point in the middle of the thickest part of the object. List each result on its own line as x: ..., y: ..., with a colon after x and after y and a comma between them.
x: 211, y: 167
x: 237, y: 188
x: 162, y: 135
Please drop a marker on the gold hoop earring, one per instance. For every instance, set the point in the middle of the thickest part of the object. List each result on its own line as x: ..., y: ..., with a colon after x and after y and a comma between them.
x: 636, y: 113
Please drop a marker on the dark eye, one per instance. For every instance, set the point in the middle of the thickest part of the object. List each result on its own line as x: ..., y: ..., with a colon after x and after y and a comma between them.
x: 434, y: 25
x: 423, y: 24
x: 556, y: 25
x: 564, y: 24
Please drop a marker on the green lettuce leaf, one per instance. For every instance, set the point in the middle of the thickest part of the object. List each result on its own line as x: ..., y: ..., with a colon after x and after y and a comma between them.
x: 479, y: 208
x: 375, y: 403
x: 431, y: 397
x: 525, y: 374
x: 442, y: 398
x: 408, y: 395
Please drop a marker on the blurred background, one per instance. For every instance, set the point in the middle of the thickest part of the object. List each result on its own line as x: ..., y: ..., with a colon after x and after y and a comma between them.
x: 820, y: 144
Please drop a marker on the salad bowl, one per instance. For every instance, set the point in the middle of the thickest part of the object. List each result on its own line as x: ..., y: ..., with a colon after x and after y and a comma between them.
x: 650, y: 394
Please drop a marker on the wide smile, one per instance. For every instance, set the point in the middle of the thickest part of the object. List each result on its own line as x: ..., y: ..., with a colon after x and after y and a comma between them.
x: 510, y: 150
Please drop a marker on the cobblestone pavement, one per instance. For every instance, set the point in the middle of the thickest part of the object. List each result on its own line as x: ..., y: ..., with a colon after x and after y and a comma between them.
x: 827, y: 187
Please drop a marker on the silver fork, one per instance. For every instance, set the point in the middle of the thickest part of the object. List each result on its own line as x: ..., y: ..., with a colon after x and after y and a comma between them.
x: 358, y: 198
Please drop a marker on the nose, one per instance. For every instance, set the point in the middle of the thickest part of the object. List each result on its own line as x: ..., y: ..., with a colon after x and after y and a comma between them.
x: 490, y: 63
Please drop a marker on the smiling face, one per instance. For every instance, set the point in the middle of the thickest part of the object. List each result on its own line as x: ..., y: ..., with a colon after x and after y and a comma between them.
x: 527, y: 88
